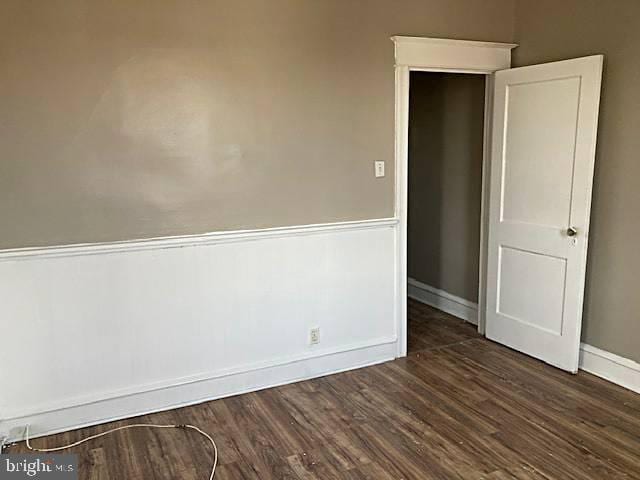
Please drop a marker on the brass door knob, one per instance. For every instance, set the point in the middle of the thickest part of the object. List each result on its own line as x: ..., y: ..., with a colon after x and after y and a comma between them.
x: 572, y: 232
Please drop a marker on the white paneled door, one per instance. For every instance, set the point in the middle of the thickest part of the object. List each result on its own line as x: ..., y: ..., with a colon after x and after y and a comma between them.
x: 543, y: 148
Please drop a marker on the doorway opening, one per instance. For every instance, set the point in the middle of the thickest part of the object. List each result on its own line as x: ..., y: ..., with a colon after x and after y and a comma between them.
x: 540, y: 125
x: 446, y: 133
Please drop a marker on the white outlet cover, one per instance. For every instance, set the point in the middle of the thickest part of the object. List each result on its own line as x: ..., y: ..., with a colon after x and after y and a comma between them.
x: 314, y: 336
x: 379, y: 168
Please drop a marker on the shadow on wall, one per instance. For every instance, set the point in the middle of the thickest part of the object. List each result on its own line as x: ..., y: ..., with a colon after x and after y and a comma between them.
x: 446, y: 121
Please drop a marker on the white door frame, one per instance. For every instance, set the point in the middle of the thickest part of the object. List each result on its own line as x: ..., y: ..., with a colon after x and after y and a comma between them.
x: 451, y: 56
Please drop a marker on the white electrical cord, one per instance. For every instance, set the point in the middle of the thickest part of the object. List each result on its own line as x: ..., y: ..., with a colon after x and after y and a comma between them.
x: 135, y: 425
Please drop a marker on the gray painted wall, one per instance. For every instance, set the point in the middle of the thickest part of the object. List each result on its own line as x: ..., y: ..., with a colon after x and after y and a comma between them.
x: 445, y: 180
x: 550, y: 30
x: 130, y: 119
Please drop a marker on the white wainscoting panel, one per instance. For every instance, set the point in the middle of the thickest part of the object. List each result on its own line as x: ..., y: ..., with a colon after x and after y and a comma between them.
x: 451, y: 304
x: 97, y: 332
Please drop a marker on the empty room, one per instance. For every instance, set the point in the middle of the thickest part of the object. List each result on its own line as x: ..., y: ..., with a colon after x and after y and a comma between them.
x: 319, y: 239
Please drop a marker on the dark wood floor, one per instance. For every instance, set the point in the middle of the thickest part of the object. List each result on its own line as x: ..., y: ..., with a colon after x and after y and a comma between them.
x: 458, y: 406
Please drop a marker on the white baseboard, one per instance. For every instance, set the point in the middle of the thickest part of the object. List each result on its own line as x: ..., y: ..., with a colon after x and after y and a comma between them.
x: 451, y: 304
x: 219, y: 386
x: 611, y: 367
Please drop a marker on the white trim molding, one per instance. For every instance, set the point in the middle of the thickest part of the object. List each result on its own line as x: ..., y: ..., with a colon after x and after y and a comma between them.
x: 436, y: 298
x: 614, y: 368
x: 442, y: 54
x: 128, y: 328
x: 437, y: 55
x: 181, y: 241
x: 49, y: 420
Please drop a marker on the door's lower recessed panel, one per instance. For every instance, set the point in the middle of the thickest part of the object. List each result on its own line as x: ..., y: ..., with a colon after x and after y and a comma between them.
x: 531, y: 288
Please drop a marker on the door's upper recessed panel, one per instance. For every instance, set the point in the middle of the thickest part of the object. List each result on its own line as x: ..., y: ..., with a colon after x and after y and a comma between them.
x: 538, y: 161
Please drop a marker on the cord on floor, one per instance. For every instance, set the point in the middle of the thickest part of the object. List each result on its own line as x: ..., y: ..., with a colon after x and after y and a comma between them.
x: 135, y: 425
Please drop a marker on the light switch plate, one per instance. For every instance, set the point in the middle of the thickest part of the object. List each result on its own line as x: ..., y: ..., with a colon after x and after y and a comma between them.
x: 379, y: 168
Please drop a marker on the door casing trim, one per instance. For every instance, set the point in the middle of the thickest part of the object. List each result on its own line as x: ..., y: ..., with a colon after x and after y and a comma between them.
x: 450, y: 56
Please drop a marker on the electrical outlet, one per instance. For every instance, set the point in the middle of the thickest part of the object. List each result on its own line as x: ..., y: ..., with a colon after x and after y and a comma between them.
x: 10, y: 438
x: 15, y: 434
x: 314, y: 336
x: 379, y: 168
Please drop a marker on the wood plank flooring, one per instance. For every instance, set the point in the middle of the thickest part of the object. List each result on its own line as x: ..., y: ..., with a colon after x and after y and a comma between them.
x: 458, y: 407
